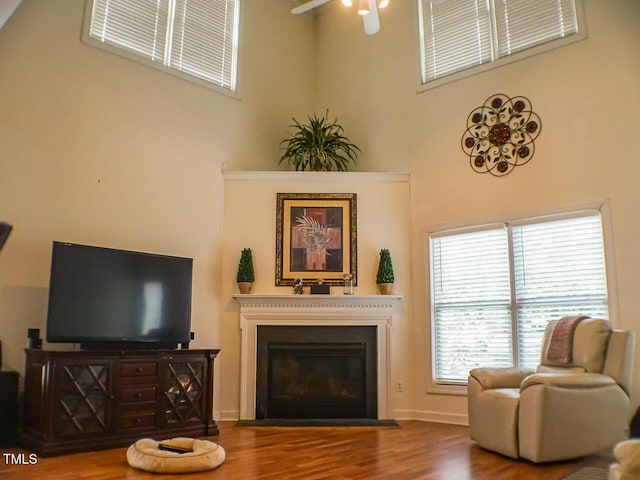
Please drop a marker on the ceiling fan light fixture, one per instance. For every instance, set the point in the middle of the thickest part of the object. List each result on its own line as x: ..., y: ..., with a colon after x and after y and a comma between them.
x: 363, y: 7
x: 383, y: 3
x: 347, y: 3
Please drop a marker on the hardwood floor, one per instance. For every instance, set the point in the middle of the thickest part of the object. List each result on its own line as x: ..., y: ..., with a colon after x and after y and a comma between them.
x: 415, y: 450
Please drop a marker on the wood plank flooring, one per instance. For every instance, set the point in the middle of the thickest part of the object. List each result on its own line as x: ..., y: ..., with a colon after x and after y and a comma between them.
x: 414, y: 450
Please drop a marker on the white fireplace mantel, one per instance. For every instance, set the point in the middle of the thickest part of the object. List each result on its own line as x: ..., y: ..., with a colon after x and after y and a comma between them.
x: 313, y: 310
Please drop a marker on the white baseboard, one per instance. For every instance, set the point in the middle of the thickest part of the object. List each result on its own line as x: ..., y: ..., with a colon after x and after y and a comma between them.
x: 421, y: 415
x: 426, y: 416
x: 228, y: 415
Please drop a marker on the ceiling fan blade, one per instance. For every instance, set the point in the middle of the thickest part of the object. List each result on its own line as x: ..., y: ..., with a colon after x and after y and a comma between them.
x: 305, y: 7
x: 371, y: 20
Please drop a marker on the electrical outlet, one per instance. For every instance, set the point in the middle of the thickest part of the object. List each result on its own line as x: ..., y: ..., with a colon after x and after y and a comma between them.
x: 399, y: 387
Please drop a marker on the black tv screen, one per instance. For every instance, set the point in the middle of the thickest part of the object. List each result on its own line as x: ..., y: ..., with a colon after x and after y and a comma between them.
x: 102, y: 297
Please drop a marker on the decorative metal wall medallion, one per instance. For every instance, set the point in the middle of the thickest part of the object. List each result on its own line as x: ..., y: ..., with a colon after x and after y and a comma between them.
x: 500, y: 134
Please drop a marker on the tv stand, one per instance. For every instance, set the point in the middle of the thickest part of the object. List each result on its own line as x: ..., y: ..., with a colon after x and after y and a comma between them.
x: 87, y: 400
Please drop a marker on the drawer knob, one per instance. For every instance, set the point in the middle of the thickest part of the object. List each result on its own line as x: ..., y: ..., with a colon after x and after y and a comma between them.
x: 139, y: 369
x: 138, y: 395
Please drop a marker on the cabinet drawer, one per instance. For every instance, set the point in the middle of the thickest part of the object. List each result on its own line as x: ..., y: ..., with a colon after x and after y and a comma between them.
x: 139, y: 369
x: 137, y: 419
x: 144, y: 393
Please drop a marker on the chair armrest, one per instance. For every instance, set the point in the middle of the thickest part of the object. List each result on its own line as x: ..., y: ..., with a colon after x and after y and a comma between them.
x: 508, y: 377
x: 568, y: 380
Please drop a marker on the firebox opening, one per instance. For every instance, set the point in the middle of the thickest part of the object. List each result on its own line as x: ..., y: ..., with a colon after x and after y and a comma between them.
x: 316, y: 373
x: 316, y: 381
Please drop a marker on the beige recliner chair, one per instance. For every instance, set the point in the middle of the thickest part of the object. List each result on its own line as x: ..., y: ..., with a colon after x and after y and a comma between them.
x: 568, y: 408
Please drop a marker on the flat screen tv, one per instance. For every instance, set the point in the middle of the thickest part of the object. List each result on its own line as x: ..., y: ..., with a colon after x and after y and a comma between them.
x: 106, y: 298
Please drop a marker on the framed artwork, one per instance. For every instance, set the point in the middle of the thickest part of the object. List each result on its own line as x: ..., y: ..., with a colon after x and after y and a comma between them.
x: 316, y: 238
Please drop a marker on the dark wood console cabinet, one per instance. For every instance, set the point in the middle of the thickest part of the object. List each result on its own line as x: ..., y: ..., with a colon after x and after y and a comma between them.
x: 87, y: 400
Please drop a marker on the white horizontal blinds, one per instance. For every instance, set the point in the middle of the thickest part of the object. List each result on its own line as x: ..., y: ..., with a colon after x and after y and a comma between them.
x: 521, y: 24
x: 138, y: 26
x: 456, y: 34
x: 559, y: 270
x: 195, y: 37
x: 471, y: 303
x: 204, y: 40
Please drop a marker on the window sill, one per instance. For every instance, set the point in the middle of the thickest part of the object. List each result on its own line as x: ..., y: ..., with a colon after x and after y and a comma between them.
x: 439, y: 389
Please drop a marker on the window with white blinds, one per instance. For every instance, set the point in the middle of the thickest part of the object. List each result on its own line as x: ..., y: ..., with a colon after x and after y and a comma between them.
x: 493, y: 290
x: 460, y: 37
x: 196, y: 38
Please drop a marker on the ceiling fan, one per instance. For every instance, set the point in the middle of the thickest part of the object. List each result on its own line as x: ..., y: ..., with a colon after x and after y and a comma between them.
x: 367, y: 8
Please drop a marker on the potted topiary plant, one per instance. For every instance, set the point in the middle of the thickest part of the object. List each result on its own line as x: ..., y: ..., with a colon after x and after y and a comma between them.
x: 246, y: 275
x: 319, y: 146
x: 385, y: 277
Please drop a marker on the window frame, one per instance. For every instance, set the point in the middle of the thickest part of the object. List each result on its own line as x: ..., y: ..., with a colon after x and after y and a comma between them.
x: 494, y: 63
x: 131, y: 55
x: 603, y: 207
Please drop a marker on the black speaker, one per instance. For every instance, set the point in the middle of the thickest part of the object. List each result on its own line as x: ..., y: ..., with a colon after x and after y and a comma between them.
x: 33, y: 334
x: 5, y: 230
x: 8, y: 408
x: 185, y: 345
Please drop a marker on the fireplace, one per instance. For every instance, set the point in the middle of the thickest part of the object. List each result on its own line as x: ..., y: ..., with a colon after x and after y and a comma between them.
x: 316, y: 372
x: 342, y: 311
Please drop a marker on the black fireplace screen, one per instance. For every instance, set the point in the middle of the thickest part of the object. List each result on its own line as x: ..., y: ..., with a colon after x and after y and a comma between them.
x: 316, y: 372
x: 316, y: 380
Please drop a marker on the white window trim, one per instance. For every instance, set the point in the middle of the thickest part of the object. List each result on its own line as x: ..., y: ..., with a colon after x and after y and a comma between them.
x: 89, y: 40
x: 515, y: 57
x: 603, y: 206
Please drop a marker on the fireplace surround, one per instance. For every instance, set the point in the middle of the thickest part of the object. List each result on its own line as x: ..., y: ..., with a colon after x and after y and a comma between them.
x: 376, y: 311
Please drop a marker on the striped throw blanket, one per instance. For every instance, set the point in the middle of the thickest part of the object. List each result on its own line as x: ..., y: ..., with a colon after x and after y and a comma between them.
x: 560, y: 345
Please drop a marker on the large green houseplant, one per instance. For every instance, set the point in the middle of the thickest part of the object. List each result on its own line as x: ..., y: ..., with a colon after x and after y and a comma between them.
x: 319, y: 146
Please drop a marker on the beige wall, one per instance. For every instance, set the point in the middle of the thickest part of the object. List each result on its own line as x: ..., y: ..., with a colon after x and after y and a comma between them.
x: 586, y: 95
x: 98, y: 149
x: 383, y: 220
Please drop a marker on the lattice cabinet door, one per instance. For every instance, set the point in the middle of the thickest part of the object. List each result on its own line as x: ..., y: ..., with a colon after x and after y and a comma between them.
x: 184, y: 392
x: 83, y: 400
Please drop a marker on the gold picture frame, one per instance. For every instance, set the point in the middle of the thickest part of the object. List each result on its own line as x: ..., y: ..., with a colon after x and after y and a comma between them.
x: 316, y: 238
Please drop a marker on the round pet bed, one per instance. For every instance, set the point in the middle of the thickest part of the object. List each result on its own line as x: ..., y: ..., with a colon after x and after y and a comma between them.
x: 146, y: 455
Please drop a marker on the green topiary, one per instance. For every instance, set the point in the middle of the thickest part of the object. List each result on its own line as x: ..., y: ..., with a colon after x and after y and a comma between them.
x: 245, y: 267
x: 385, y: 268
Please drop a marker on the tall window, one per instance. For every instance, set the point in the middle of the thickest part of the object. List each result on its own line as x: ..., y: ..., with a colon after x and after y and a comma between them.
x: 196, y: 39
x: 494, y: 289
x: 461, y: 37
